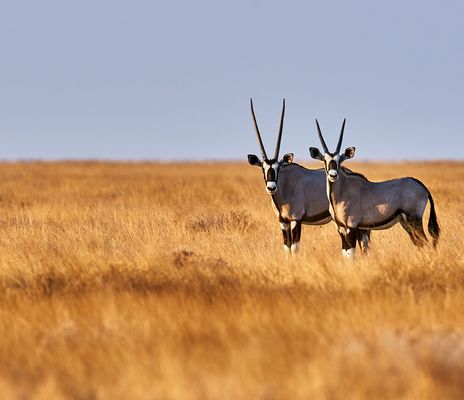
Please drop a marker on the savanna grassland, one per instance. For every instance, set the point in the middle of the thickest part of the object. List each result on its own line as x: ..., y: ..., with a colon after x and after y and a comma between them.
x: 169, y: 281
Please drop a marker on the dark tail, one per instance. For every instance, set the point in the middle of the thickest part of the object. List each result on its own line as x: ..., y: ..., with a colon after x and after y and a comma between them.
x: 433, y: 227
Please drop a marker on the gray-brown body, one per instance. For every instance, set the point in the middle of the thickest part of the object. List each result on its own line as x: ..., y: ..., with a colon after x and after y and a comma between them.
x: 301, y: 195
x: 298, y: 194
x: 301, y: 199
x: 377, y: 205
x: 356, y: 203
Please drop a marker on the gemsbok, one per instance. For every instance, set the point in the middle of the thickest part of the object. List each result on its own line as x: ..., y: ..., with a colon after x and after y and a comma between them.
x: 356, y: 203
x: 297, y: 194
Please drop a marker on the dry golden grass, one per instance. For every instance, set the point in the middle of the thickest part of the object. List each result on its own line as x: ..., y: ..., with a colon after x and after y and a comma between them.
x: 156, y: 281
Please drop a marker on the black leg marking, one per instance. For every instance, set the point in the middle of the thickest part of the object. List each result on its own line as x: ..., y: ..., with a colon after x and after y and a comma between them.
x: 287, y: 234
x: 344, y: 245
x: 351, y: 238
x: 296, y: 232
x: 295, y: 227
x: 413, y: 225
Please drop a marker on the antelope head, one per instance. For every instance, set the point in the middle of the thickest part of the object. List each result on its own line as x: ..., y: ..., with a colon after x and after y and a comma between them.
x: 270, y: 166
x: 330, y: 160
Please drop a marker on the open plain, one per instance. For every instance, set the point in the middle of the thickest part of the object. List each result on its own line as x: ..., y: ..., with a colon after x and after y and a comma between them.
x: 169, y: 281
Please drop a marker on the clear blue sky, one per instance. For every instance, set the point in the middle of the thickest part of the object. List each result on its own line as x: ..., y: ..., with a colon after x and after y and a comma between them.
x: 172, y: 79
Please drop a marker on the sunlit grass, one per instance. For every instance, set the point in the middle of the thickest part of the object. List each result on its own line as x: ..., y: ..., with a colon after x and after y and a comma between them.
x: 169, y: 281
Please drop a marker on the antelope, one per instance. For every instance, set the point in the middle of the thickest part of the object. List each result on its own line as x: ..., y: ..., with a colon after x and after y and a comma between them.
x: 297, y: 194
x: 356, y: 203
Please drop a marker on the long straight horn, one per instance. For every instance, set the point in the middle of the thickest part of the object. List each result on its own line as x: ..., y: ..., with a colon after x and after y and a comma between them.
x: 279, y: 137
x: 326, y: 150
x: 261, y: 146
x: 340, y: 139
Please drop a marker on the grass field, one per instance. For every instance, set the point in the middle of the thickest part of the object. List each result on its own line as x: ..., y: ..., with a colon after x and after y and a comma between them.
x: 169, y: 281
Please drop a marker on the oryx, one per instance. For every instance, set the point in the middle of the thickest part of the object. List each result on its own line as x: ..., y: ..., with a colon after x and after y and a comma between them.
x: 356, y: 203
x: 297, y: 194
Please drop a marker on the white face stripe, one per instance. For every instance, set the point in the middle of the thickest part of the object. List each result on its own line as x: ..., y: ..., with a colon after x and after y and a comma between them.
x: 267, y: 167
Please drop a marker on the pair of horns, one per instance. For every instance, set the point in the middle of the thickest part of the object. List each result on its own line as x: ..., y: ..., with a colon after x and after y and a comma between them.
x: 340, y: 139
x: 279, y: 137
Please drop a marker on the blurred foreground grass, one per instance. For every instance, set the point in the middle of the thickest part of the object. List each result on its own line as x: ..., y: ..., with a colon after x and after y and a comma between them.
x: 169, y: 281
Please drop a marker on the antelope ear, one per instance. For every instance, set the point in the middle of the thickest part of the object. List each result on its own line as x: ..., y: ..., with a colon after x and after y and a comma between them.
x: 287, y: 158
x: 349, y: 153
x: 315, y: 153
x: 254, y: 160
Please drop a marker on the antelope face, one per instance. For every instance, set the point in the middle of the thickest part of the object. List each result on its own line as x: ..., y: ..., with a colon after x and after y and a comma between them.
x: 270, y: 169
x: 330, y: 160
x: 271, y: 172
x: 331, y: 164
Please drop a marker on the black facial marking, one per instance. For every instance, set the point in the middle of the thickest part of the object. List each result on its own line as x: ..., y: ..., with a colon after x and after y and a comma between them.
x: 271, y: 175
x: 332, y: 165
